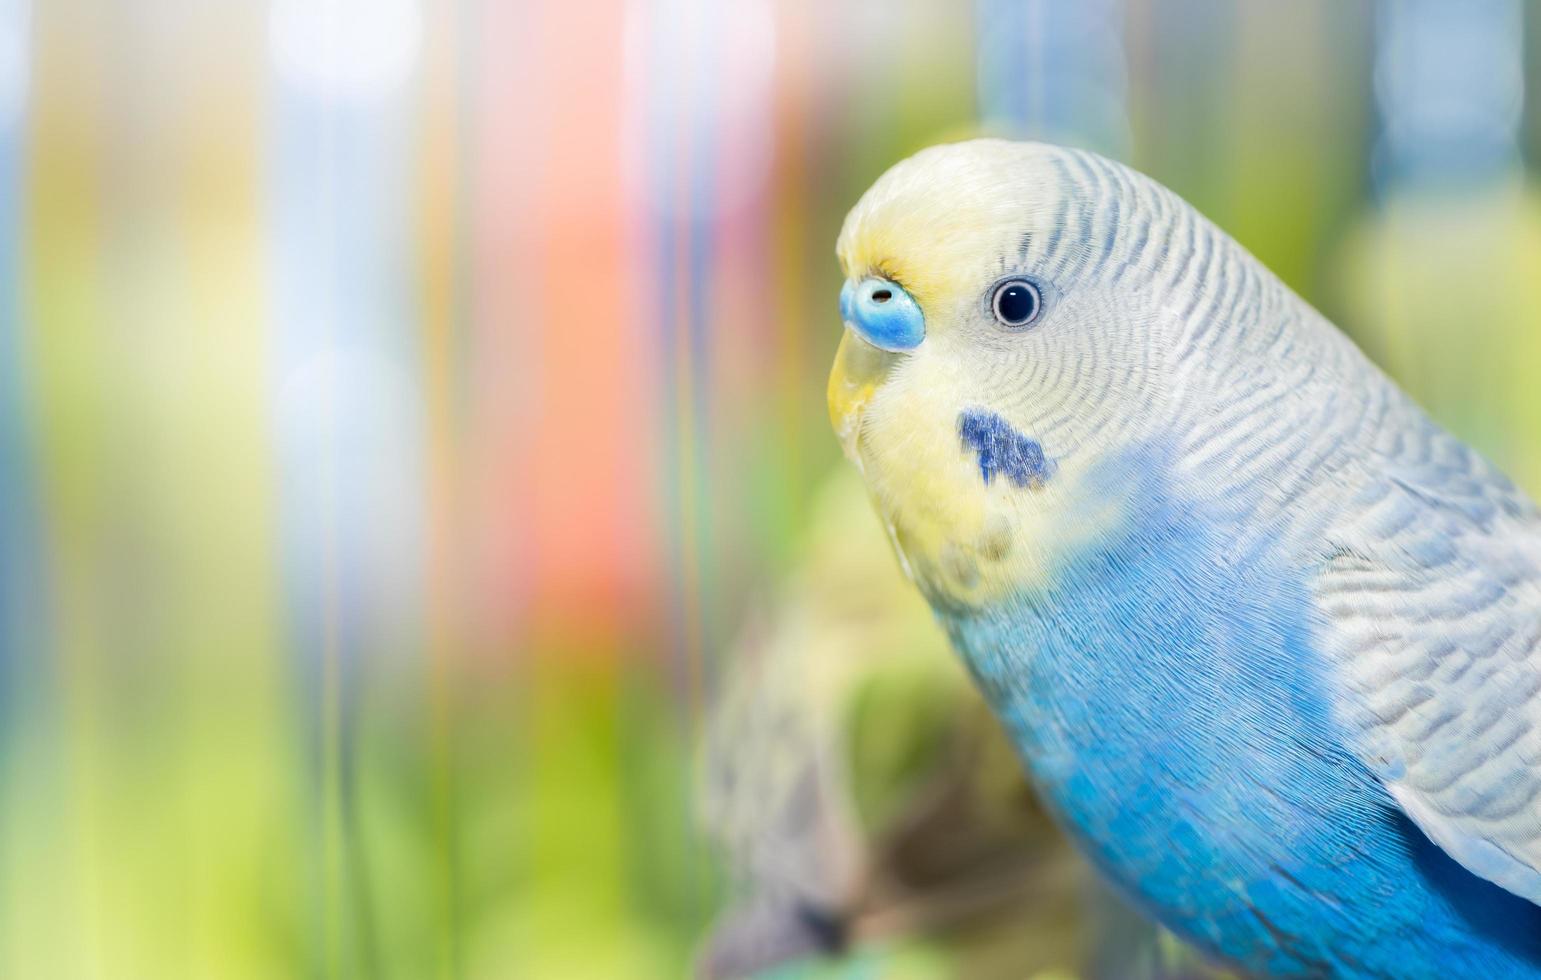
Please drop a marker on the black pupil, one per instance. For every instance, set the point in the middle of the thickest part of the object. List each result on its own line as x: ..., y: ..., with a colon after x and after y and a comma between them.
x: 1016, y: 303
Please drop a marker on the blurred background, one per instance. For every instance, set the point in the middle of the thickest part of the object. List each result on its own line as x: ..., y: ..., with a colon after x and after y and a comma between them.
x: 414, y: 473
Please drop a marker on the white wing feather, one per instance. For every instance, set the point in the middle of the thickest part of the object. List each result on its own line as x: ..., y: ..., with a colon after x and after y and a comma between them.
x: 1431, y: 605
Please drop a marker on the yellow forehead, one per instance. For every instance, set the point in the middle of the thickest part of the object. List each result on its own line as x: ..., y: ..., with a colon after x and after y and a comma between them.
x: 945, y: 221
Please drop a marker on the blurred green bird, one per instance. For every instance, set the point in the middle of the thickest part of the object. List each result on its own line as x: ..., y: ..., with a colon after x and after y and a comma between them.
x: 872, y: 807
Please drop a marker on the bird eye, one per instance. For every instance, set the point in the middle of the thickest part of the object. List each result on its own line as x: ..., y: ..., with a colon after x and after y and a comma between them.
x: 1016, y: 303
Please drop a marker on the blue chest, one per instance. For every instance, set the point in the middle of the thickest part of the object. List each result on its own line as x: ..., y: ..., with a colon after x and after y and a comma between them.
x: 1166, y: 696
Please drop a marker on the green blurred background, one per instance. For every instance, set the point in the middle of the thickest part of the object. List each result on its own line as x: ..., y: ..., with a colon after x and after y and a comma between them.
x: 411, y: 424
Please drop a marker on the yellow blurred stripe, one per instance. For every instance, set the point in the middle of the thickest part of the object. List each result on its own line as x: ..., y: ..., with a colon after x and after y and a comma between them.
x: 163, y: 842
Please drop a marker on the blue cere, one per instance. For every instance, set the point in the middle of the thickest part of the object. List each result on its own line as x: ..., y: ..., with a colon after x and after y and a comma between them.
x: 883, y: 313
x: 1002, y: 449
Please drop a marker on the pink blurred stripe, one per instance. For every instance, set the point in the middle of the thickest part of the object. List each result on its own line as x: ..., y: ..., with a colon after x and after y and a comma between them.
x: 561, y: 432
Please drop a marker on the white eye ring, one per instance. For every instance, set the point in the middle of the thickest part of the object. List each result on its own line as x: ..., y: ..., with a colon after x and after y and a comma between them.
x: 1016, y: 303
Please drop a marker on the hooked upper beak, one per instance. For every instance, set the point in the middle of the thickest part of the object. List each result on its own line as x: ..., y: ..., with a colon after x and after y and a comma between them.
x: 859, y: 370
x: 881, y: 321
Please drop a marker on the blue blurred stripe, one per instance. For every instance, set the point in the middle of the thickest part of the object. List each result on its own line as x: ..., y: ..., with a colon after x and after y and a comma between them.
x: 1450, y: 88
x: 1054, y: 70
x: 682, y: 141
x: 349, y: 430
x: 21, y: 559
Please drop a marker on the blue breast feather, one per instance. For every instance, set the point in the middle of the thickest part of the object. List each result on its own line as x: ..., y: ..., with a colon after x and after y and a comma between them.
x: 1167, y: 699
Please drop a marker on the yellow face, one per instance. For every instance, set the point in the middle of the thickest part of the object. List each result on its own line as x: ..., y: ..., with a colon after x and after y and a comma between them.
x: 971, y: 516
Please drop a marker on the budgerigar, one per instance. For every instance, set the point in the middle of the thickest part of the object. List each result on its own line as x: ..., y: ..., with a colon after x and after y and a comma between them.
x: 1267, y: 639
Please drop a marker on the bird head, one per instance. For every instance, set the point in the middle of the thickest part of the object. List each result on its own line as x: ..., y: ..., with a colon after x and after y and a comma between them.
x: 1008, y: 318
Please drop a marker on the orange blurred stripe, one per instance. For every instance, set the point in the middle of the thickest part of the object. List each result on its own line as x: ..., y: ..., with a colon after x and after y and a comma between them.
x: 563, y: 368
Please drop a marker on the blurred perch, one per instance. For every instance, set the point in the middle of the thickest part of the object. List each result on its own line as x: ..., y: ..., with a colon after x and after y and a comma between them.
x: 869, y: 802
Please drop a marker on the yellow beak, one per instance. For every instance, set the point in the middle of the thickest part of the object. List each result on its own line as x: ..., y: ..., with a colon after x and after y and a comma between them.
x: 859, y: 370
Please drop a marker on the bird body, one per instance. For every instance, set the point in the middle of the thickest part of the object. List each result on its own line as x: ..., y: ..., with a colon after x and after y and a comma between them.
x: 1267, y: 638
